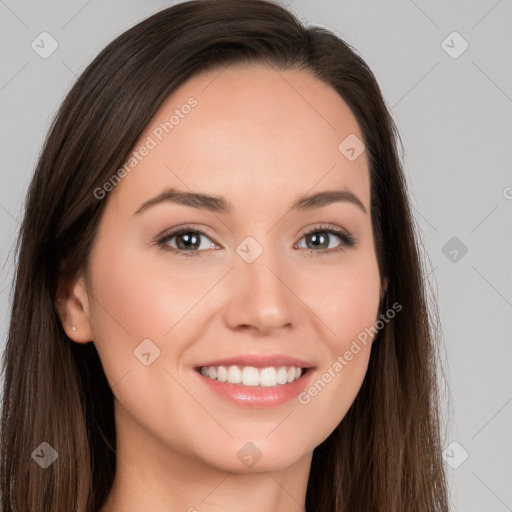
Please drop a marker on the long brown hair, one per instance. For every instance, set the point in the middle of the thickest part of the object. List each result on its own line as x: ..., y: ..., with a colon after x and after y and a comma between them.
x: 385, y: 455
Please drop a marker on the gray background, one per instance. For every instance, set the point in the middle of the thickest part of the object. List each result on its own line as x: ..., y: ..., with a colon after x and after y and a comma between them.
x: 454, y: 116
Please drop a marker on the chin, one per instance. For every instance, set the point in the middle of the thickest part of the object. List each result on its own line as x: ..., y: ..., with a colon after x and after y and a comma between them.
x: 257, y: 456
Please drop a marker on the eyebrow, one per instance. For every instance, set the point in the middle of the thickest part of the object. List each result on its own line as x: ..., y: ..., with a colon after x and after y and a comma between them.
x: 218, y: 204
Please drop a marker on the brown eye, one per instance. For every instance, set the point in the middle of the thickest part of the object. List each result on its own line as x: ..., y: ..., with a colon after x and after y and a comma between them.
x: 186, y: 242
x: 322, y: 240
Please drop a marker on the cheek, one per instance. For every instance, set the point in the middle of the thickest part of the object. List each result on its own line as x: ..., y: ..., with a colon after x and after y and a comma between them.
x: 128, y: 306
x: 143, y: 295
x: 347, y: 299
x: 140, y: 295
x: 348, y: 308
x: 349, y: 314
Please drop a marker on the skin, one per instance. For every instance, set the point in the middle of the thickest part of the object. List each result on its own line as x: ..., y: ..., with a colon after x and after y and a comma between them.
x: 261, y: 138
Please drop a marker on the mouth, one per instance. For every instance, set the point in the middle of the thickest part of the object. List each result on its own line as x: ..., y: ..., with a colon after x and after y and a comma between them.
x: 256, y: 380
x: 251, y: 376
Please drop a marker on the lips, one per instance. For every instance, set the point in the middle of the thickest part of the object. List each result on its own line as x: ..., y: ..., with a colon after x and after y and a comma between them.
x: 258, y: 361
x: 281, y: 378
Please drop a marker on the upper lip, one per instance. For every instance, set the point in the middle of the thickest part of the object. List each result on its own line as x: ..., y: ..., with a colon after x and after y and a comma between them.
x: 259, y: 361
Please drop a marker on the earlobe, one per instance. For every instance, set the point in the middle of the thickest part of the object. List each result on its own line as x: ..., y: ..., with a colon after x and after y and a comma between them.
x: 72, y: 306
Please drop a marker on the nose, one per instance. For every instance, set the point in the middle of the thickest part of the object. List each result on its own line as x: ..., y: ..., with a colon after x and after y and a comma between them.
x: 261, y: 296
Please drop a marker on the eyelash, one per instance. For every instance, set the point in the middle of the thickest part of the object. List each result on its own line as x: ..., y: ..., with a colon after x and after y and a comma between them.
x: 347, y: 240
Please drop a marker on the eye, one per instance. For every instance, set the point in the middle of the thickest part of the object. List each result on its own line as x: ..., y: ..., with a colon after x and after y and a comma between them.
x: 188, y: 241
x: 321, y: 238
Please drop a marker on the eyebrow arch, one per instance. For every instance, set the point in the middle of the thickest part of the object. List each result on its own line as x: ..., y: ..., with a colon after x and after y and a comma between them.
x: 219, y: 204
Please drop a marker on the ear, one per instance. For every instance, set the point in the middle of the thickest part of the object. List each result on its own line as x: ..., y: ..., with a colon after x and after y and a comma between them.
x: 72, y: 304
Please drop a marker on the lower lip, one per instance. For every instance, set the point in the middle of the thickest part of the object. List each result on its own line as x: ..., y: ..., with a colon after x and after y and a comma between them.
x: 259, y: 396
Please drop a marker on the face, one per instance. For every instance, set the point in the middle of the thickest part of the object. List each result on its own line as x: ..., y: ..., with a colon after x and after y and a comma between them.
x: 256, y: 279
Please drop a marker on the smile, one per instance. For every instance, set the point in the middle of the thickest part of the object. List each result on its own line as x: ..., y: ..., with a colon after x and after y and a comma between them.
x: 256, y: 380
x: 251, y: 376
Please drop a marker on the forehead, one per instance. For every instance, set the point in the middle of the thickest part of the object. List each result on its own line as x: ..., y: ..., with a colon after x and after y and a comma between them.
x: 246, y: 132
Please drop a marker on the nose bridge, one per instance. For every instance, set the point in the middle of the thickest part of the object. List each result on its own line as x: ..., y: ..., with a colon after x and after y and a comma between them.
x: 260, y: 296
x: 263, y: 273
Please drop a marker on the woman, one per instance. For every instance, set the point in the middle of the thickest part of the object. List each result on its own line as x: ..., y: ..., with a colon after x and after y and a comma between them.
x: 173, y: 345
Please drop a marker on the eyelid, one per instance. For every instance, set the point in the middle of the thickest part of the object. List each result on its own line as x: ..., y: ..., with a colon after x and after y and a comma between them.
x: 163, y: 238
x: 186, y: 227
x: 322, y: 226
x: 346, y: 238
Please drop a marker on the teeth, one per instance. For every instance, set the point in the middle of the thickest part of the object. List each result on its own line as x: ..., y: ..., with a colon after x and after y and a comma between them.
x: 282, y: 375
x: 234, y: 375
x: 251, y: 376
x: 268, y: 377
x: 222, y: 374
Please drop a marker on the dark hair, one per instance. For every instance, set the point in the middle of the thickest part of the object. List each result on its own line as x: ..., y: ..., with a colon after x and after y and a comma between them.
x: 385, y: 455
